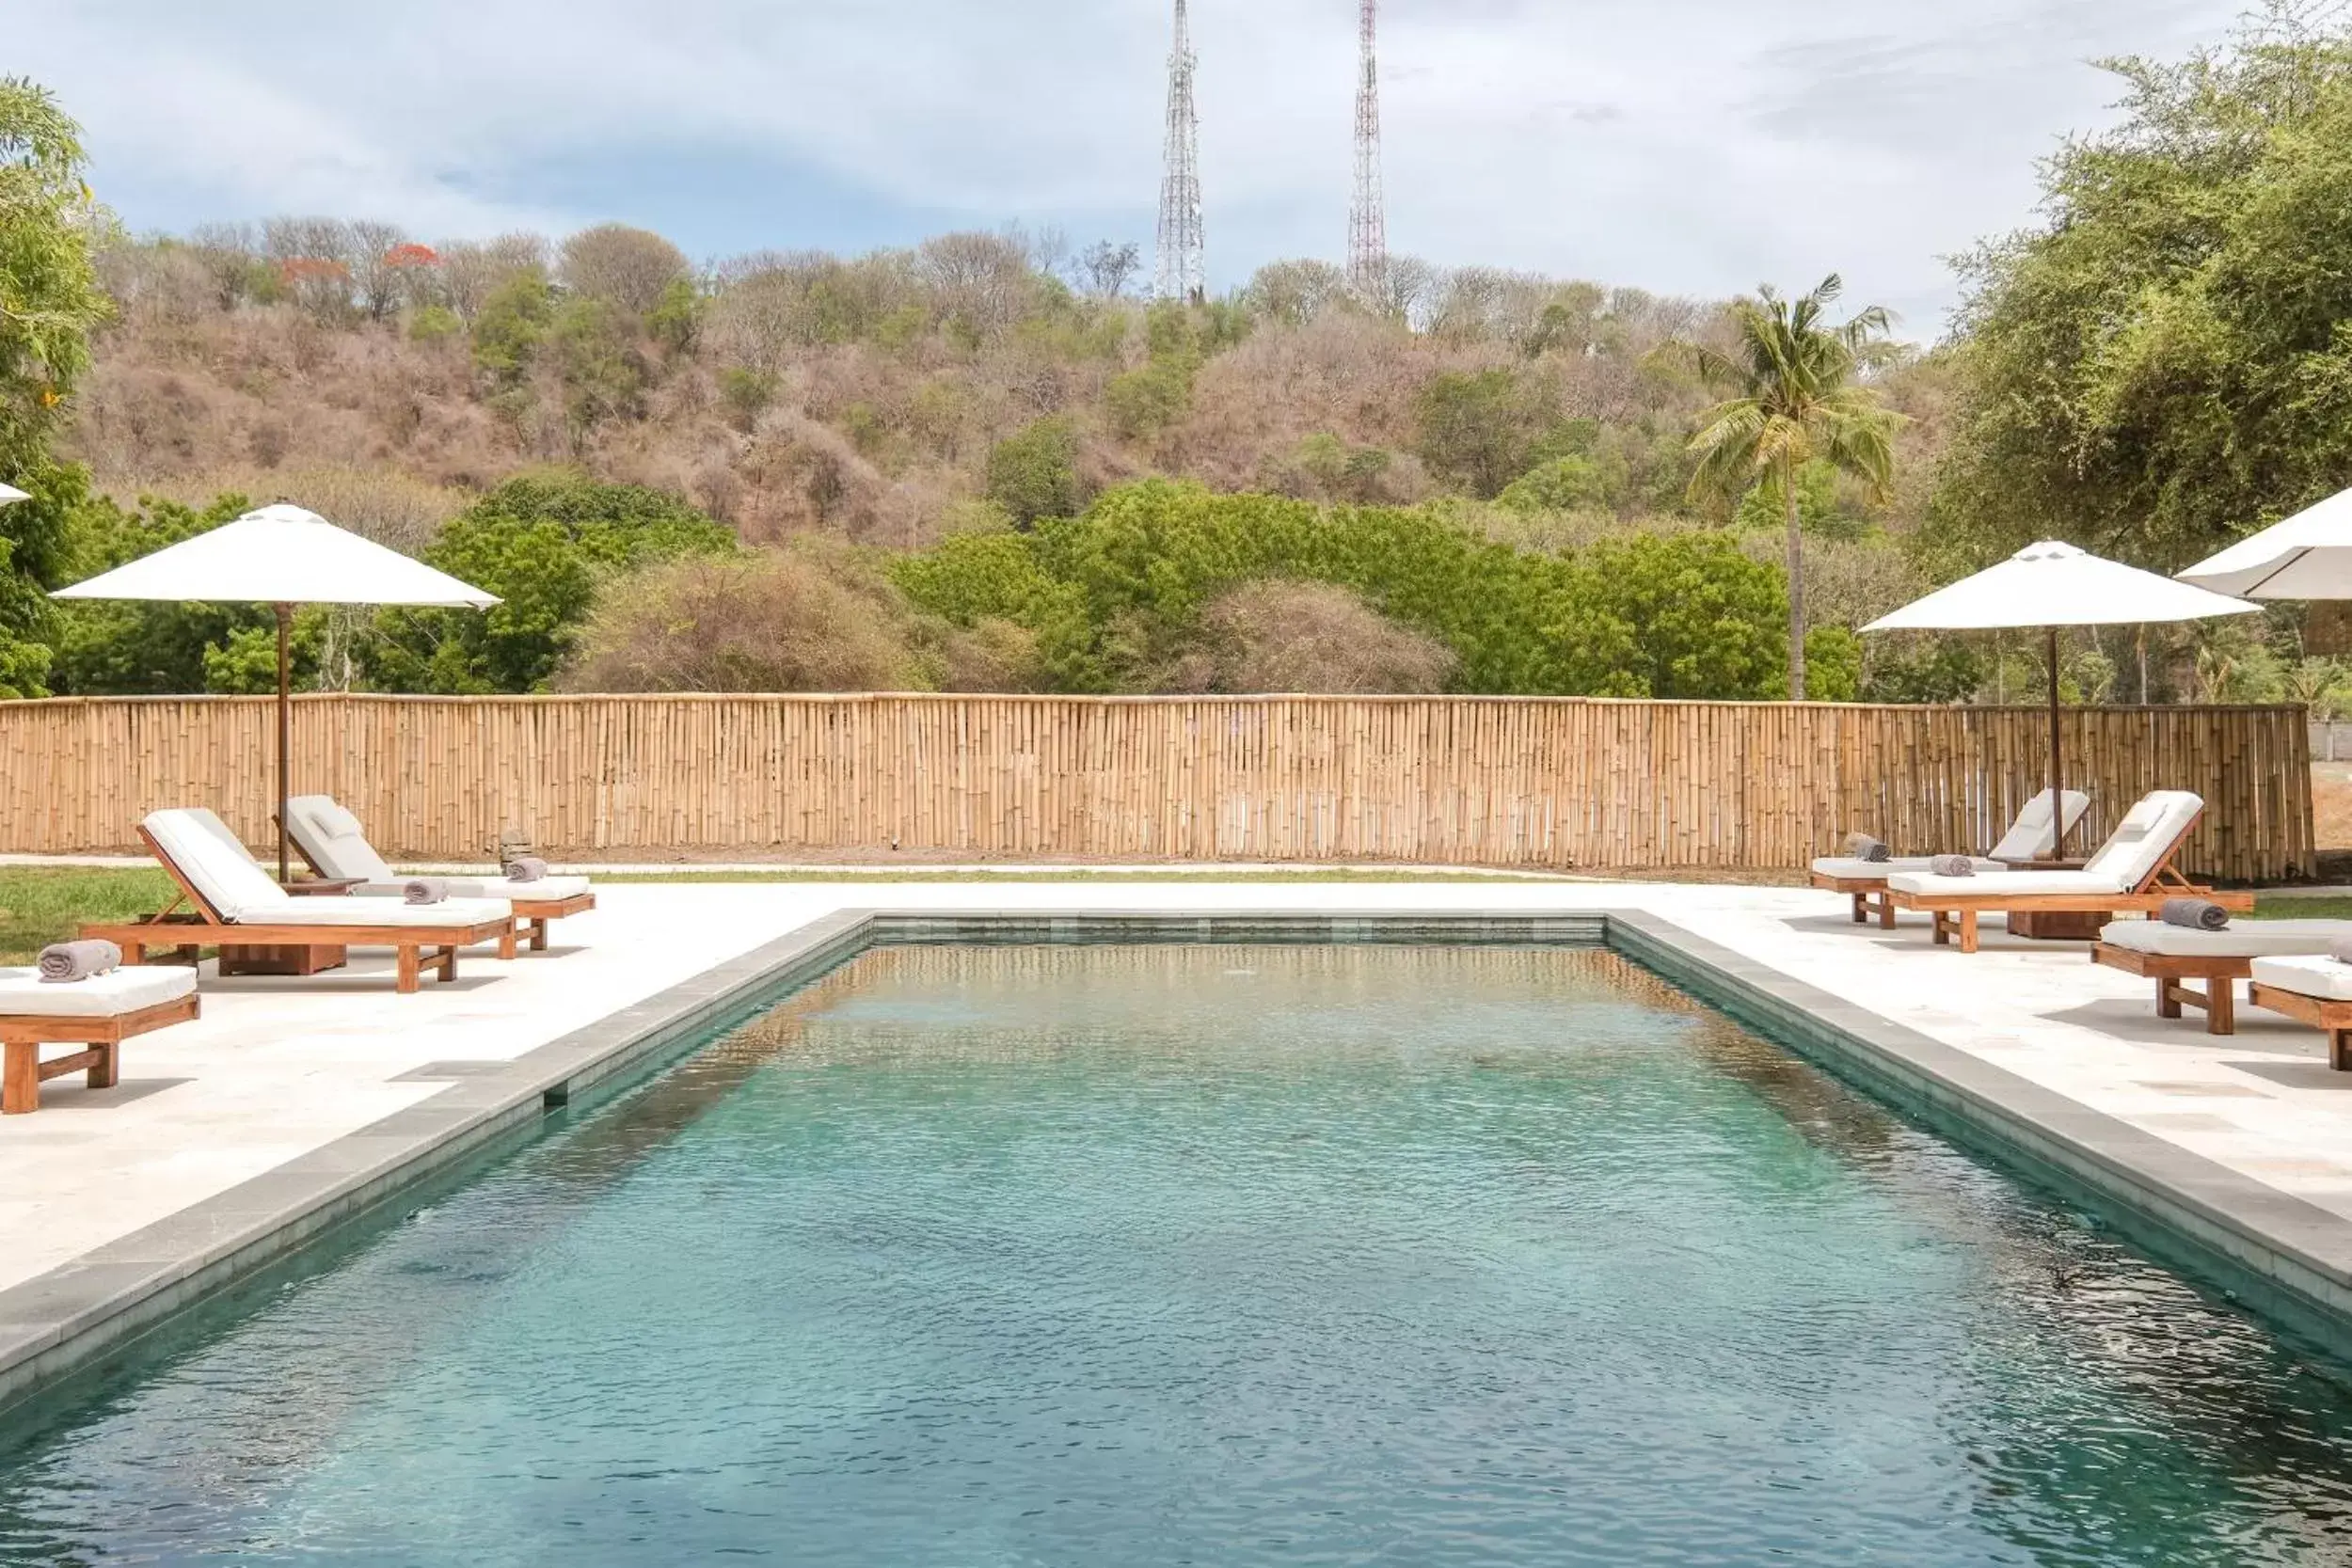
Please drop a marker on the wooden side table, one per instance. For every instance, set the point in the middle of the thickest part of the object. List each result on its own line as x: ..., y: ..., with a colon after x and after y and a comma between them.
x: 293, y: 961
x: 2046, y: 926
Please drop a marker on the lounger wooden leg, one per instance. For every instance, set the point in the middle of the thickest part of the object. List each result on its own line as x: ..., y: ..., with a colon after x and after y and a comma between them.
x: 2168, y: 1000
x: 1967, y: 930
x: 103, y: 1072
x: 1862, y: 908
x: 1886, y: 911
x: 447, y: 963
x: 539, y: 936
x: 507, y: 943
x: 1943, y: 931
x: 2340, y: 1050
x: 406, y: 985
x: 2222, y: 1006
x: 19, y: 1095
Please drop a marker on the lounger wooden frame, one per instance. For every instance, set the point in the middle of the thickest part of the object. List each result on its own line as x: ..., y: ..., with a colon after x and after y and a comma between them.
x: 419, y: 948
x: 532, y: 916
x: 1868, y: 893
x: 22, y: 1035
x: 1958, y: 912
x: 2331, y: 1018
x: 2221, y: 974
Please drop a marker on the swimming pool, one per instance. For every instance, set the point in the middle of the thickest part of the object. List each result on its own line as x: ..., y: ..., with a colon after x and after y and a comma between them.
x: 1219, y: 1255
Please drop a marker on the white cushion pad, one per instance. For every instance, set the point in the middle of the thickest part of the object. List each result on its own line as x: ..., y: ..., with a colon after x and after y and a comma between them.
x: 331, y: 839
x: 209, y: 856
x: 2023, y: 883
x: 546, y: 889
x: 386, y: 912
x: 25, y: 994
x: 1848, y: 869
x: 2247, y: 939
x: 2324, y: 978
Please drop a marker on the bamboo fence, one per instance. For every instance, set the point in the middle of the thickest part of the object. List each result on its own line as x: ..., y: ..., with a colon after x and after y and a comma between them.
x: 1561, y: 783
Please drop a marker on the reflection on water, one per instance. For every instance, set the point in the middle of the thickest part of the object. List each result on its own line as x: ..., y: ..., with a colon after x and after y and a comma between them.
x: 1109, y: 1255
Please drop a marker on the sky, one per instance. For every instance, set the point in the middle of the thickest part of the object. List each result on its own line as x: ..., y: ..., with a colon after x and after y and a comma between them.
x: 1696, y: 147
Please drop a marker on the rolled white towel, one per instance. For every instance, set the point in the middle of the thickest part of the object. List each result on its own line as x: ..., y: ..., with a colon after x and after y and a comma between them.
x: 66, y: 961
x: 526, y: 868
x: 424, y: 890
x: 1951, y: 865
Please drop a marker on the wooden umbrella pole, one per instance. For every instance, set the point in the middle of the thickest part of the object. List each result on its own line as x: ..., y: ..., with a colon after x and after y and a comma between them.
x: 285, y: 729
x: 2057, y: 754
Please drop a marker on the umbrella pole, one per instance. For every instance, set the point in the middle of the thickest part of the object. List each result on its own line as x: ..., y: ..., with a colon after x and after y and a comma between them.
x: 285, y: 728
x: 2057, y: 754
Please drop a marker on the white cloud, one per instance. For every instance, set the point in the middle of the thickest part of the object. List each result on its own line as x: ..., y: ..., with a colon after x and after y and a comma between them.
x: 1688, y: 145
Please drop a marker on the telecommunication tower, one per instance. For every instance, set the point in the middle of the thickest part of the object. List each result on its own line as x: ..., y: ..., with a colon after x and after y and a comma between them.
x: 1183, y: 246
x: 1367, y: 220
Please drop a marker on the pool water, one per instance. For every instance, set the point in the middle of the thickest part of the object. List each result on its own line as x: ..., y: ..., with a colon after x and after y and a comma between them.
x: 1225, y: 1255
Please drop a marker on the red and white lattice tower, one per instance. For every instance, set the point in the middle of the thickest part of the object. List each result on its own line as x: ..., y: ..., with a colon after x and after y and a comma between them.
x: 1184, y: 246
x: 1367, y: 219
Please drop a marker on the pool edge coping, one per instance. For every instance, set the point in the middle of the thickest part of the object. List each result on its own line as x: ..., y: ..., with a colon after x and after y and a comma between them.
x: 2290, y: 1259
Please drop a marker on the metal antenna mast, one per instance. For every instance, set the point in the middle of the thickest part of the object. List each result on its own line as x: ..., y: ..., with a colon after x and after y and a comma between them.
x: 1183, y: 247
x: 1367, y: 221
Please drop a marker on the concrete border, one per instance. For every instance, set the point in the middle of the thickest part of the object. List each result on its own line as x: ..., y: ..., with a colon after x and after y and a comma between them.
x: 2281, y: 1255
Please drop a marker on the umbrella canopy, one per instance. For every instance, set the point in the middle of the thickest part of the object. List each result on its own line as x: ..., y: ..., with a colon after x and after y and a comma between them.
x: 2307, y: 556
x: 2052, y: 585
x: 281, y: 556
x: 10, y: 495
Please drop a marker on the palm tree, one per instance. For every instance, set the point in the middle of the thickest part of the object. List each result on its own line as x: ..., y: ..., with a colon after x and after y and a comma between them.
x: 1793, y: 400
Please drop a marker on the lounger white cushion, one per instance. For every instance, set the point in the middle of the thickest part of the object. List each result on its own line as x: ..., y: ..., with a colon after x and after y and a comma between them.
x: 2324, y: 978
x: 2247, y: 939
x: 332, y: 840
x: 127, y: 990
x: 2022, y: 882
x: 2028, y: 838
x: 210, y: 857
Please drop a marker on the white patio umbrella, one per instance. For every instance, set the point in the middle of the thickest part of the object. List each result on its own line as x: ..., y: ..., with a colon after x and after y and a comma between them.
x: 281, y: 556
x: 2307, y: 556
x: 2051, y: 585
x: 10, y: 495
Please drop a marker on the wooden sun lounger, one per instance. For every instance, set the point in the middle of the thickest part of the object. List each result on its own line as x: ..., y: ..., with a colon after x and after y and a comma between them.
x: 2170, y: 972
x: 22, y: 1035
x: 532, y: 916
x: 419, y: 948
x: 1958, y: 913
x: 2330, y: 1016
x: 1868, y: 893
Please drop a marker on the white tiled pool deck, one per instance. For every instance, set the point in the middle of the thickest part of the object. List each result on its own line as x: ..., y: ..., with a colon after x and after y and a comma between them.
x: 278, y: 1068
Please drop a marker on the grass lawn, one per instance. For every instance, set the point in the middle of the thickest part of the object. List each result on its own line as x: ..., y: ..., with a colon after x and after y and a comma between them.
x: 41, y: 904
x: 2303, y: 909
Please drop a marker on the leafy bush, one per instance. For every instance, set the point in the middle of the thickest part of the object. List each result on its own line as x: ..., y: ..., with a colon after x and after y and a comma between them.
x: 1563, y: 485
x: 1034, y: 473
x: 1681, y: 616
x: 543, y: 544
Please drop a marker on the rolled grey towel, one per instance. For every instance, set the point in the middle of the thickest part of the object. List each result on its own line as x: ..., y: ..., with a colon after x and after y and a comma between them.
x: 1951, y: 865
x: 65, y: 962
x: 2197, y: 914
x: 2341, y: 950
x: 424, y: 890
x: 1862, y: 846
x: 526, y: 868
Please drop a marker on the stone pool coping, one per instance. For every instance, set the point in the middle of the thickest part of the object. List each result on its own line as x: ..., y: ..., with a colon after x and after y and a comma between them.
x: 2276, y: 1253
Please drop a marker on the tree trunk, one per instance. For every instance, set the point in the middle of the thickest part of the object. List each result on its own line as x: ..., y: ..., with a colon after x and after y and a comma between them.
x: 1796, y: 580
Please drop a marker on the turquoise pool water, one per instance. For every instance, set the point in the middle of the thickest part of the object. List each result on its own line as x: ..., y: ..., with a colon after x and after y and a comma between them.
x: 1224, y: 1255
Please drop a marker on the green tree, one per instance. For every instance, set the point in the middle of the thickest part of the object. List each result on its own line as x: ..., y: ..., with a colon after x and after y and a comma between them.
x: 1794, y: 400
x: 545, y: 544
x: 603, y: 375
x: 133, y: 647
x: 1563, y: 485
x: 49, y: 303
x: 1033, y: 473
x: 510, y: 327
x: 1480, y: 429
x: 2165, y: 363
x: 1672, y: 616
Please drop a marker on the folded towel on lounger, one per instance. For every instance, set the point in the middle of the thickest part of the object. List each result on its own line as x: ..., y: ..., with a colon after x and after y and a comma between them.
x: 1951, y: 865
x: 424, y: 890
x: 2198, y: 914
x: 78, y: 960
x: 2341, y: 950
x: 1862, y: 846
x: 526, y: 868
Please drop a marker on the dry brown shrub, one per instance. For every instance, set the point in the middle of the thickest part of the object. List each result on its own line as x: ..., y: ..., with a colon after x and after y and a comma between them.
x: 1308, y: 637
x: 623, y: 266
x: 385, y: 505
x: 779, y: 619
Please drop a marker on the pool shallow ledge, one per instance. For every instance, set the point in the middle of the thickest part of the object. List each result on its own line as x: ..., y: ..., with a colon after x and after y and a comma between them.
x: 2287, y: 1259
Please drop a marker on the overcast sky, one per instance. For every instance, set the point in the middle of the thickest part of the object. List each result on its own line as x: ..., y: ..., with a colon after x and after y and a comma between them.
x: 1693, y: 146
